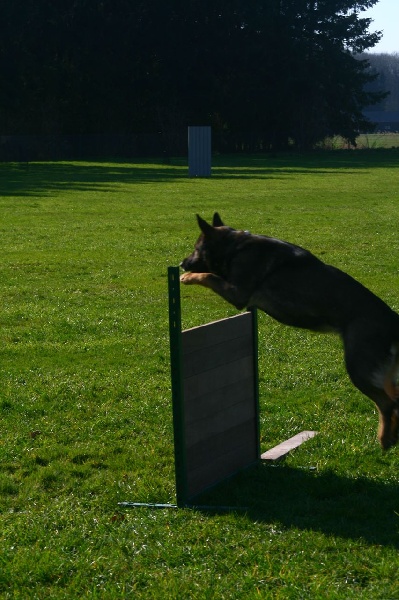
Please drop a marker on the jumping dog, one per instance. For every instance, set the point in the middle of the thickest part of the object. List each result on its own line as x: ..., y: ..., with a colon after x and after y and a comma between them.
x: 296, y: 288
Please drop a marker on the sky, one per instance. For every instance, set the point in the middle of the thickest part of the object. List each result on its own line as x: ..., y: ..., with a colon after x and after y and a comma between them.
x: 385, y: 15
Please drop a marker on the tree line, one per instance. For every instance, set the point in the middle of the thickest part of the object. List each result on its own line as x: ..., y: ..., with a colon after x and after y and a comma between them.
x: 288, y: 71
x: 385, y: 67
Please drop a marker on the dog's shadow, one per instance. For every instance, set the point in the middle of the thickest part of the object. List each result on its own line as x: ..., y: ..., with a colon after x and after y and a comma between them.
x: 355, y: 508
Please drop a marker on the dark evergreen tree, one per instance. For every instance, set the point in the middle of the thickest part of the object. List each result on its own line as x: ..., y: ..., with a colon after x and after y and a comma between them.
x: 279, y: 69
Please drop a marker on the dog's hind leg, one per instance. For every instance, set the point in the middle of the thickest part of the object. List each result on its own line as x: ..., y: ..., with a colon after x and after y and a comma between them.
x: 387, y: 377
x: 373, y: 366
x: 388, y: 419
x: 388, y: 411
x: 391, y: 389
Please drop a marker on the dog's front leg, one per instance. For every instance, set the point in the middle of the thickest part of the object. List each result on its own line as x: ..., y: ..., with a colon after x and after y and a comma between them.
x: 226, y: 290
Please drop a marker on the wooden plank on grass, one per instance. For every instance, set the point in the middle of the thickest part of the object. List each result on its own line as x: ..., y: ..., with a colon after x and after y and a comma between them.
x: 285, y: 447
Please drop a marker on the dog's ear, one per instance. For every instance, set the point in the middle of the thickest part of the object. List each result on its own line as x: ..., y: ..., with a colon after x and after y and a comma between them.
x: 206, y: 229
x: 217, y: 221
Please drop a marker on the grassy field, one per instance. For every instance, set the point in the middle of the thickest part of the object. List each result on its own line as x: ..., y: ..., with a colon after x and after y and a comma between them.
x: 85, y: 401
x: 366, y: 141
x: 378, y: 140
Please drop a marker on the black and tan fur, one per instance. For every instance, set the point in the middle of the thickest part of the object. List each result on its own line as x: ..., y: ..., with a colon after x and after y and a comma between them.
x: 296, y: 288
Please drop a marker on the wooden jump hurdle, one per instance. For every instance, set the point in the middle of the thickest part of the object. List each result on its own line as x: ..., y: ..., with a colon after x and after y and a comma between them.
x: 214, y: 374
x: 215, y: 398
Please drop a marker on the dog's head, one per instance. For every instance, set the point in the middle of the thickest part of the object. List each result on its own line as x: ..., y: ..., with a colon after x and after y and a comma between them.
x: 207, y: 255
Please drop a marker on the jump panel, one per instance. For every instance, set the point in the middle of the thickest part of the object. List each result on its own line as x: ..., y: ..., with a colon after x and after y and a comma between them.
x: 220, y: 400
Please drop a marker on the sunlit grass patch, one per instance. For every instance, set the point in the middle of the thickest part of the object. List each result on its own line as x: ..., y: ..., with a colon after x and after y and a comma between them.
x: 85, y: 403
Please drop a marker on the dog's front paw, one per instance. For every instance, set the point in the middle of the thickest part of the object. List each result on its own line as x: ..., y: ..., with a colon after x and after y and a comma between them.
x: 187, y: 278
x: 194, y: 278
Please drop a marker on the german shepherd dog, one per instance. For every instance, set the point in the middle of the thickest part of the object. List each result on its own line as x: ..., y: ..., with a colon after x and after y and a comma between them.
x: 296, y: 288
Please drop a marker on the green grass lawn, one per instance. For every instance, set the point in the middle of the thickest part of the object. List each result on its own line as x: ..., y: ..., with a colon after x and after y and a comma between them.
x: 366, y: 141
x: 379, y: 140
x: 85, y: 401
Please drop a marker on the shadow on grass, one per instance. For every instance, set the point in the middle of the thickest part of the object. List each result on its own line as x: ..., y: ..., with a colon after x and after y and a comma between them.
x: 48, y: 178
x: 333, y: 505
